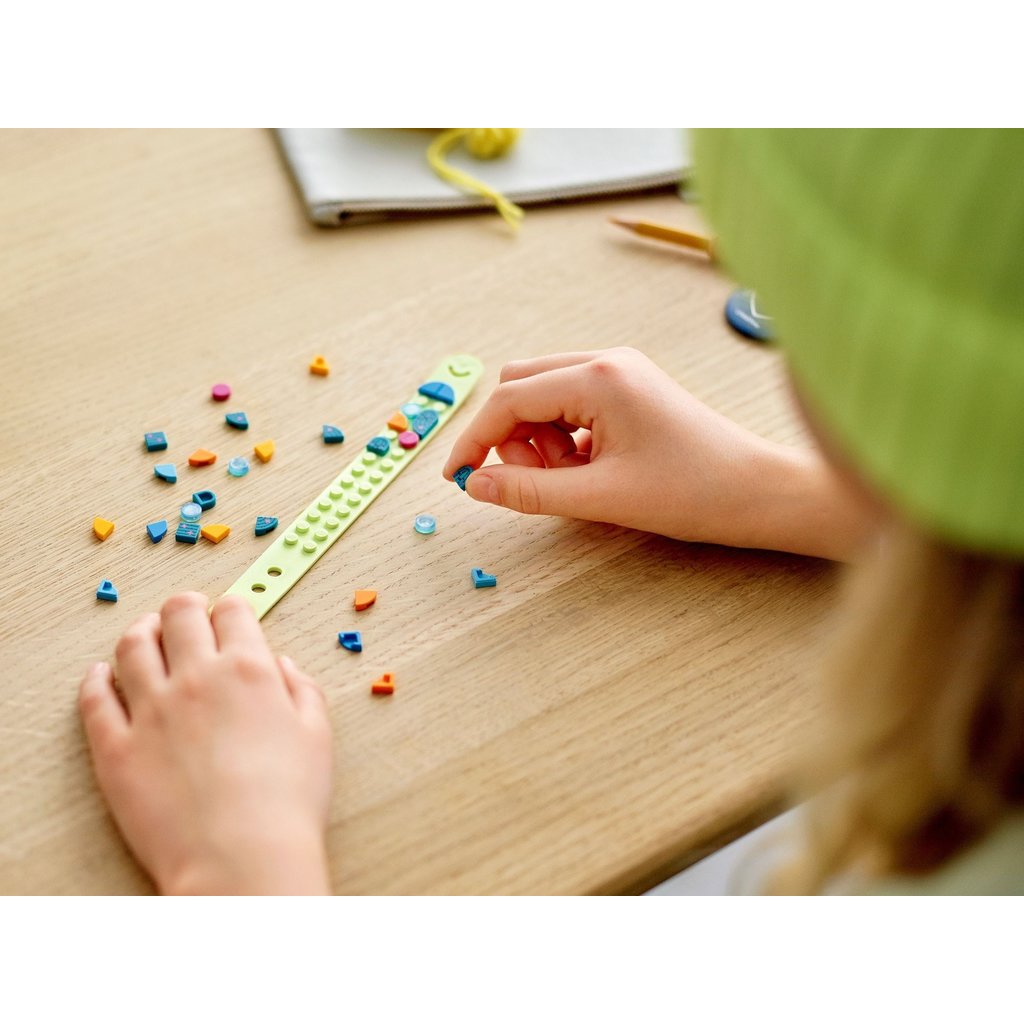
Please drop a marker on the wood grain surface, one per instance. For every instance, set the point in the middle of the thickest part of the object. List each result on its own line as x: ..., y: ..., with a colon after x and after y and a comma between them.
x: 619, y: 705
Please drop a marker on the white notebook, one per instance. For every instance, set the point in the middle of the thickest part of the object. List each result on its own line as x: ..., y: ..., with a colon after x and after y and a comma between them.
x: 348, y: 175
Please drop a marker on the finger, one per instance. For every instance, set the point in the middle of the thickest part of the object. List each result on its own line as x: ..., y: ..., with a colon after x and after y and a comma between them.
x: 103, y: 714
x: 139, y: 658
x: 555, y: 492
x: 236, y: 627
x: 186, y: 631
x: 521, y: 368
x: 546, y: 398
x: 519, y: 453
x: 556, y: 447
x: 304, y: 690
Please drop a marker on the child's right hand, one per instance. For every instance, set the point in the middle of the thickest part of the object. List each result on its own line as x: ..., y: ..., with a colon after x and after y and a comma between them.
x: 608, y: 436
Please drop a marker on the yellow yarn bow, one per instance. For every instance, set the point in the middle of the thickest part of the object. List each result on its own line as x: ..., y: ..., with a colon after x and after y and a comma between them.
x: 484, y: 144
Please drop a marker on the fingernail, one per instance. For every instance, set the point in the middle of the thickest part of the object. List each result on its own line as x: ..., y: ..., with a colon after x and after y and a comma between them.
x: 97, y: 668
x: 484, y: 489
x: 286, y: 661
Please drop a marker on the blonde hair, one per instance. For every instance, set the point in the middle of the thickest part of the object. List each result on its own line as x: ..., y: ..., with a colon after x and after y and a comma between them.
x: 920, y: 751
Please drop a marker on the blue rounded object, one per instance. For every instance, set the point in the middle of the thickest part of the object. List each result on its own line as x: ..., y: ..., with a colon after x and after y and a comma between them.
x: 743, y: 316
x: 424, y: 524
x: 191, y: 512
x: 238, y: 467
x: 379, y: 446
x: 332, y: 435
x: 204, y: 499
x: 438, y: 391
x: 411, y: 410
x: 460, y: 476
x: 425, y: 422
x: 166, y: 471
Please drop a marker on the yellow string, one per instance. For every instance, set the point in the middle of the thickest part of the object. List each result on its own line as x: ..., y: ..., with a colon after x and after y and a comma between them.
x: 484, y: 144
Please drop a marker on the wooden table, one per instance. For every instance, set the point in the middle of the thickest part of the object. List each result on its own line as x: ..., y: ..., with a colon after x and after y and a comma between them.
x: 620, y: 704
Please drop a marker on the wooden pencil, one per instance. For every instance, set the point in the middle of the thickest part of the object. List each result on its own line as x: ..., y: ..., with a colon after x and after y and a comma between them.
x: 664, y: 233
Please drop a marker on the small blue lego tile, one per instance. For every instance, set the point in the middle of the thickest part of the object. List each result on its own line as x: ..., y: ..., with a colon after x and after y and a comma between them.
x: 191, y: 512
x: 438, y: 391
x: 378, y: 445
x: 187, y: 533
x: 157, y: 531
x: 166, y: 471
x: 265, y: 524
x: 411, y: 410
x: 351, y: 641
x: 460, y: 476
x: 238, y: 466
x: 332, y: 435
x: 238, y: 420
x: 205, y: 499
x: 106, y: 592
x: 424, y: 524
x: 156, y: 441
x: 483, y: 579
x: 425, y: 422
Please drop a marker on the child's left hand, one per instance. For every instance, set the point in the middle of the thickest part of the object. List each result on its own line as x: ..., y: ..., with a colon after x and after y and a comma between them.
x: 216, y: 757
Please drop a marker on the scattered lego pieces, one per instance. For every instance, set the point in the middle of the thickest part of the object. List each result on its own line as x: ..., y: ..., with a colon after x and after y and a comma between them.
x: 364, y: 598
x: 166, y: 471
x: 202, y: 457
x: 187, y: 533
x: 238, y: 466
x: 398, y: 422
x: 385, y: 686
x: 264, y: 451
x: 220, y: 392
x: 424, y: 524
x: 157, y: 531
x: 238, y: 420
x: 378, y: 445
x: 204, y: 499
x: 319, y: 366
x: 483, y: 579
x: 332, y: 435
x: 438, y: 391
x: 460, y: 476
x: 215, y: 532
x: 191, y: 511
x: 425, y: 422
x: 156, y: 441
x: 106, y: 591
x: 411, y: 410
x: 408, y: 439
x: 351, y: 641
x: 265, y: 524
x: 103, y: 528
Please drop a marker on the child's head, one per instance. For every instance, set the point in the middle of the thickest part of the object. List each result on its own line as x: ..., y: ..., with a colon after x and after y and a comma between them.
x: 891, y: 261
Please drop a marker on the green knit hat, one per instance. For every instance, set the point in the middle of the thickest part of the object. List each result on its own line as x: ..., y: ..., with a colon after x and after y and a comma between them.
x: 893, y: 264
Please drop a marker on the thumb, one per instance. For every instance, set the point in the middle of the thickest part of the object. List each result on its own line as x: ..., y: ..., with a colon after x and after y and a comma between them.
x: 567, y: 491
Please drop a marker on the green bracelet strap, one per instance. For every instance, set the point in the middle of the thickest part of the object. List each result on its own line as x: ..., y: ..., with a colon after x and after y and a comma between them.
x: 345, y: 499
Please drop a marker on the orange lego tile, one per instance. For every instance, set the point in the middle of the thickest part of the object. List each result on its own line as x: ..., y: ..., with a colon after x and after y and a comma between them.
x: 202, y: 457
